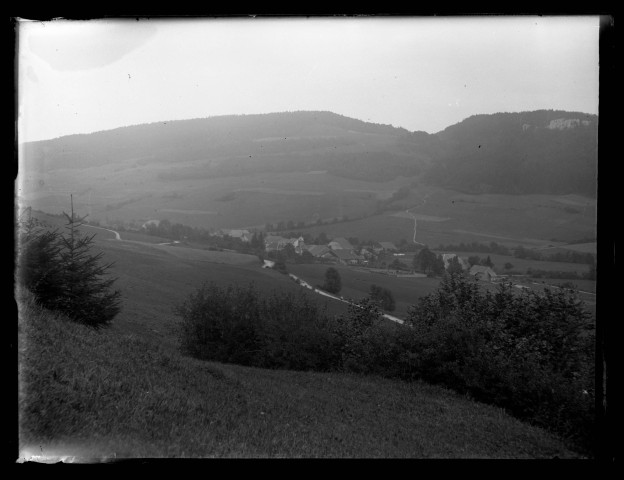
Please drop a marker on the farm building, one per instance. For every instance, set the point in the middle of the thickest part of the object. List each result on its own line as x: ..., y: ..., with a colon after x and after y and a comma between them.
x: 275, y: 242
x: 298, y: 243
x: 347, y: 257
x: 321, y: 252
x: 481, y: 272
x: 244, y: 235
x: 273, y: 238
x: 388, y: 247
x: 340, y: 243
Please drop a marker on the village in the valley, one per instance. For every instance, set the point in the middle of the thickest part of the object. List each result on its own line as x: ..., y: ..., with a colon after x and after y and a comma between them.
x: 382, y: 257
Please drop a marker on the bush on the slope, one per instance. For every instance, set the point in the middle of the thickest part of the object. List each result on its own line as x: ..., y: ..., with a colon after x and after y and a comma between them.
x: 529, y: 353
x: 236, y: 325
x: 384, y: 296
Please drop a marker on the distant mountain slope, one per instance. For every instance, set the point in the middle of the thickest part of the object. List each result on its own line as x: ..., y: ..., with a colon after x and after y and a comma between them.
x: 529, y: 152
x: 545, y: 151
x: 240, y: 145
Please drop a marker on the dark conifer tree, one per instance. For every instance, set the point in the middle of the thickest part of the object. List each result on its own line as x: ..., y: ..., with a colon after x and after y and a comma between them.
x: 87, y: 296
x: 38, y: 268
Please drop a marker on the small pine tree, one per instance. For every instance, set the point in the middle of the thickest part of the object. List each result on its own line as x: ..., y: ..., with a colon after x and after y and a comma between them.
x: 488, y: 262
x: 87, y: 296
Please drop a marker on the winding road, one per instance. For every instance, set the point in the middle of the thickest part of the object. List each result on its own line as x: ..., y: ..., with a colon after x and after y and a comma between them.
x: 117, y: 236
x: 423, y: 201
x: 305, y: 284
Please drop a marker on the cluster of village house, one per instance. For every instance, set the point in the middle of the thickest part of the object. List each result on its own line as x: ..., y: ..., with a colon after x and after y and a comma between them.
x: 341, y: 251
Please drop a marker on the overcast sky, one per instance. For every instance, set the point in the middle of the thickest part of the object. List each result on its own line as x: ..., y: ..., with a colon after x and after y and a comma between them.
x: 416, y: 73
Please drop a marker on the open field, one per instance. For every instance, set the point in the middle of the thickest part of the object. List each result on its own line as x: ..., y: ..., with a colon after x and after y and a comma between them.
x: 134, y: 192
x: 450, y: 217
x: 589, y: 247
x: 101, y: 396
x: 520, y: 265
x: 125, y: 193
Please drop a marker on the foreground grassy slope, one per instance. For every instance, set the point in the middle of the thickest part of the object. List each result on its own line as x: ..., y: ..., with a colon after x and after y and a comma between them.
x: 97, y: 395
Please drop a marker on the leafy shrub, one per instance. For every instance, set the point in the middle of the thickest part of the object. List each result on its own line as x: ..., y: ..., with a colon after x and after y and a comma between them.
x: 383, y: 296
x: 333, y: 282
x: 280, y: 266
x: 529, y: 353
x: 237, y: 325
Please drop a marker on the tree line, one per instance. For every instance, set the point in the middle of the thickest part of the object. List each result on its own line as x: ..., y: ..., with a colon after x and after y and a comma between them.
x: 568, y: 256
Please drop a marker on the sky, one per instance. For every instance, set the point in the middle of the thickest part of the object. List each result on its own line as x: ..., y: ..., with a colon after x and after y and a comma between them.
x: 419, y: 73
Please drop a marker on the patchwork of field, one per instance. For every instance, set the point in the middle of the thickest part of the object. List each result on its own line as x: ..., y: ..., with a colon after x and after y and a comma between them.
x: 135, y: 193
x: 447, y: 217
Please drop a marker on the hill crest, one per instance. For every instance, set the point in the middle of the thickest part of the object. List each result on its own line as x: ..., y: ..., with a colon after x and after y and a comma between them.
x: 544, y: 151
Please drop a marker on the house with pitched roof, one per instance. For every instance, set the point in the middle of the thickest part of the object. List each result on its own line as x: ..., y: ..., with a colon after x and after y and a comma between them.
x: 388, y: 247
x: 347, y: 257
x: 340, y: 243
x: 321, y: 252
x: 298, y: 244
x: 481, y: 272
x: 274, y: 243
x: 244, y: 235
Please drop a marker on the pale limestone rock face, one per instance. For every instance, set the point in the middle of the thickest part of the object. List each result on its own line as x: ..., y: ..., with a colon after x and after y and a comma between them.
x: 562, y: 123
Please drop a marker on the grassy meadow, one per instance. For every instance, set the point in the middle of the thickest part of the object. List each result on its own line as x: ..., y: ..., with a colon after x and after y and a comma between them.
x: 104, y: 395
